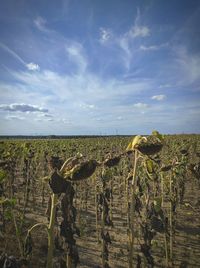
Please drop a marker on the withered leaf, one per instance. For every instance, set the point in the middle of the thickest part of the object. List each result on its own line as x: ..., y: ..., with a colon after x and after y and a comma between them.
x: 84, y: 170
x: 111, y: 162
x: 166, y: 168
x: 149, y: 148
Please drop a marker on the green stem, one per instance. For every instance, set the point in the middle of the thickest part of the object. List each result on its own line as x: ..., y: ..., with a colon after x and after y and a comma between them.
x: 111, y: 200
x: 51, y: 231
x: 165, y: 235
x: 162, y: 189
x: 69, y: 261
x: 17, y: 231
x: 96, y: 211
x: 132, y: 210
x: 166, y: 252
x: 37, y: 225
x: 171, y: 221
x: 102, y: 227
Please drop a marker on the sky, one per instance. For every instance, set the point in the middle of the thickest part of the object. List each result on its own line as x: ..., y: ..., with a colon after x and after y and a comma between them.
x: 84, y: 67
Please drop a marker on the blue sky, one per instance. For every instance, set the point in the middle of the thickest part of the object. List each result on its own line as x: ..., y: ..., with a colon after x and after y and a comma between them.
x: 99, y: 67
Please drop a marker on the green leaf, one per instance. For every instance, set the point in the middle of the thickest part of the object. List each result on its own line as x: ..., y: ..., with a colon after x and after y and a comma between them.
x: 8, y: 214
x: 3, y: 175
x: 149, y: 166
x: 8, y: 202
x: 157, y: 203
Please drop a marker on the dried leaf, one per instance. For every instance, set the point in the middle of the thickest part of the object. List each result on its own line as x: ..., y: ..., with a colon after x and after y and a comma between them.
x: 111, y: 162
x: 58, y: 184
x: 150, y: 146
x: 82, y: 171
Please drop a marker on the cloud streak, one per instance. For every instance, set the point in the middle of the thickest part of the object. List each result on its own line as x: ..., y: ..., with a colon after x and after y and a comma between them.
x: 30, y: 66
x: 126, y: 40
x: 12, y: 53
x: 14, y: 117
x: 153, y: 47
x: 75, y: 53
x: 139, y: 31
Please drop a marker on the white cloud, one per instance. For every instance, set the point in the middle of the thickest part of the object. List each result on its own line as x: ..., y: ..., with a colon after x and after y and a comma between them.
x: 87, y: 87
x: 45, y: 115
x: 165, y: 86
x: 105, y: 35
x: 87, y: 106
x: 103, y: 99
x: 141, y: 105
x: 139, y: 31
x: 66, y: 121
x: 153, y: 47
x: 21, y: 107
x: 48, y: 115
x: 145, y: 48
x: 119, y: 118
x: 40, y: 23
x: 14, y: 117
x: 126, y: 40
x: 158, y: 97
x: 32, y: 66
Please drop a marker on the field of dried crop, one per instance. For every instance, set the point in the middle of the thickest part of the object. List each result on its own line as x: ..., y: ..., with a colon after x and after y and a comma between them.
x: 100, y: 202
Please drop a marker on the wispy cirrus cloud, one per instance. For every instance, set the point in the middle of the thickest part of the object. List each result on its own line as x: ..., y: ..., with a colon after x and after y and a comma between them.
x: 30, y: 66
x: 12, y: 53
x: 187, y: 65
x: 139, y: 31
x: 75, y: 53
x: 87, y: 87
x: 125, y: 41
x: 153, y: 47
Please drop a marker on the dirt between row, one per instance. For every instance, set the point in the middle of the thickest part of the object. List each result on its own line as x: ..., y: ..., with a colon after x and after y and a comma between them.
x: 186, y: 242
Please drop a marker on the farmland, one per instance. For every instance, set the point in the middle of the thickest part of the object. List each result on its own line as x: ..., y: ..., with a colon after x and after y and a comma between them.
x: 100, y: 202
